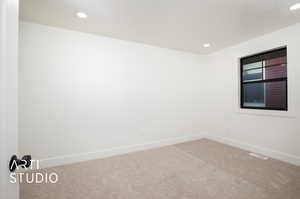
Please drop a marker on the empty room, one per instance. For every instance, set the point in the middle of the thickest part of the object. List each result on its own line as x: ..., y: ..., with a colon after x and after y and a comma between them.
x: 148, y: 99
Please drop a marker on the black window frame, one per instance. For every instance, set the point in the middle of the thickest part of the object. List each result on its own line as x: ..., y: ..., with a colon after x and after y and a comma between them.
x: 254, y: 56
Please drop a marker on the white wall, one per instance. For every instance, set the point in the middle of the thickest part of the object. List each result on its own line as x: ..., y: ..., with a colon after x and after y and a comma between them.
x: 271, y: 132
x: 9, y: 10
x: 81, y: 93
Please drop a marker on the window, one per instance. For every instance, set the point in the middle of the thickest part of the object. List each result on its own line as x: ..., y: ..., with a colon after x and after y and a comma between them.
x: 264, y: 80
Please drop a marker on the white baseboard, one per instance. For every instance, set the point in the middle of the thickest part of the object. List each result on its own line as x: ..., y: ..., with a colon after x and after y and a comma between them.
x: 256, y: 149
x: 74, y: 158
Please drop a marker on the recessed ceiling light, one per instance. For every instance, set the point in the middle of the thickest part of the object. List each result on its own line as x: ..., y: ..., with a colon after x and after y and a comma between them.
x: 206, y: 45
x: 295, y: 7
x: 82, y: 15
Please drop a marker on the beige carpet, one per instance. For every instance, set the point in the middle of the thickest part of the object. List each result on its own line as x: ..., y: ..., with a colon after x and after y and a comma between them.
x: 200, y: 169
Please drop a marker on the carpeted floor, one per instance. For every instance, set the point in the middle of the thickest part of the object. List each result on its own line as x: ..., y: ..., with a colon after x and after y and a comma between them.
x: 200, y: 169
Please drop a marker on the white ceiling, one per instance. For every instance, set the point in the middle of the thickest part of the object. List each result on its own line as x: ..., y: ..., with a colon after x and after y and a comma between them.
x: 178, y: 24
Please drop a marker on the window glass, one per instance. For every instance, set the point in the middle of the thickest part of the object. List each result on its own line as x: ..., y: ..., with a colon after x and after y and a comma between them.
x: 264, y: 80
x: 254, y: 95
x: 278, y: 71
x: 253, y: 74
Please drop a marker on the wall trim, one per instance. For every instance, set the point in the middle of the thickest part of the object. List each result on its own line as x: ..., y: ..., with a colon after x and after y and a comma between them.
x: 256, y: 149
x: 75, y: 158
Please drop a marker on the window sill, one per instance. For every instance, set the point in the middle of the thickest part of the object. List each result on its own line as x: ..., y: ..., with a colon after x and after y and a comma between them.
x: 270, y: 113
